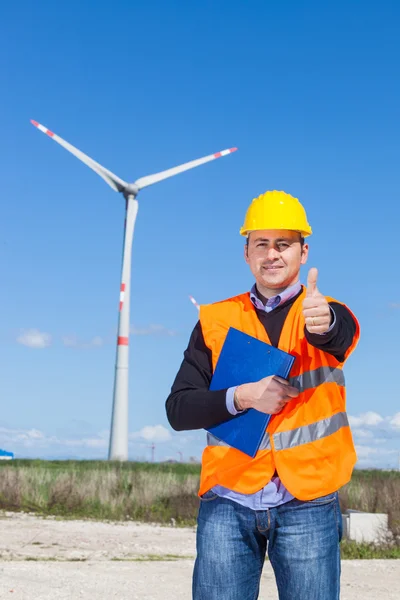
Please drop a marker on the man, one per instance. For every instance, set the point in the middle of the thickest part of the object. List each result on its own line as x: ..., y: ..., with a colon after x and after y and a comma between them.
x: 285, y: 498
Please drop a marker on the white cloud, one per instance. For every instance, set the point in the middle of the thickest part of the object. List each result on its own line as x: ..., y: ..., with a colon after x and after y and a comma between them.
x: 152, y: 433
x: 370, y: 456
x: 376, y: 439
x: 365, y: 451
x: 35, y: 434
x: 362, y: 433
x: 33, y: 338
x: 152, y: 329
x: 369, y: 418
x: 93, y: 442
x: 72, y: 341
x: 183, y: 438
x: 395, y: 420
x: 371, y: 424
x: 22, y: 437
x: 34, y: 442
x: 23, y: 441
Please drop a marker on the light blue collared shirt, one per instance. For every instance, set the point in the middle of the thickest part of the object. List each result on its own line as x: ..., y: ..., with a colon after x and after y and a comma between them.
x: 274, y: 493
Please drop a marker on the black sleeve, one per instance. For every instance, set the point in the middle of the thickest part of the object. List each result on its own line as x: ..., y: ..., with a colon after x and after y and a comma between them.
x: 190, y: 404
x: 340, y: 338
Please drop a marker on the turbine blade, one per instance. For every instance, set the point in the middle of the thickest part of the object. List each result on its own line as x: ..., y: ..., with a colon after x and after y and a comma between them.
x: 193, y: 301
x: 156, y: 177
x: 113, y: 181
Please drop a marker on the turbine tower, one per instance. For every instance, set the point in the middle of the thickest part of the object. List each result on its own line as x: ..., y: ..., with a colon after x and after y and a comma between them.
x: 118, y: 448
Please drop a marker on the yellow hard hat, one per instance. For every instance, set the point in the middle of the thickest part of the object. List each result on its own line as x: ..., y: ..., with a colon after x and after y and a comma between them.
x: 276, y: 210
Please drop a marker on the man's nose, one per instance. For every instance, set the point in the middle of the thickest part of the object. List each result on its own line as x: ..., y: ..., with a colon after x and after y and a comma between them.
x: 272, y: 253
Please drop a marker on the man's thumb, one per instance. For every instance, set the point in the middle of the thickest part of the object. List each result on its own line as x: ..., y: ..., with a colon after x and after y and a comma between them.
x: 312, y: 281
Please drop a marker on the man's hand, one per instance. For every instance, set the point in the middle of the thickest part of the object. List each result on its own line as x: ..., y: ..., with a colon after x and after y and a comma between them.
x: 316, y: 310
x: 269, y: 395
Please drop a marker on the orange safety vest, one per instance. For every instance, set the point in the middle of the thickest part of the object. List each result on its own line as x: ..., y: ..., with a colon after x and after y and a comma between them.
x: 308, y: 443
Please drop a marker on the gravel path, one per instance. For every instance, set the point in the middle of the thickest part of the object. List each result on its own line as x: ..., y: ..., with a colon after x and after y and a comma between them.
x: 43, y: 559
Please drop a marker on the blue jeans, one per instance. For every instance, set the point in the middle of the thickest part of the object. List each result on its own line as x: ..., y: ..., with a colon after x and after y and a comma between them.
x: 303, y: 548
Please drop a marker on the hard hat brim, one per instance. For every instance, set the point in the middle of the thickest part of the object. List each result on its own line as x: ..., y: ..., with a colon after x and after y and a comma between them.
x: 245, y: 232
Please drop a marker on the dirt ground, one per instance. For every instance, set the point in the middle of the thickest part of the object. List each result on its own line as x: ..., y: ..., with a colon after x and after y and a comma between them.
x: 43, y: 559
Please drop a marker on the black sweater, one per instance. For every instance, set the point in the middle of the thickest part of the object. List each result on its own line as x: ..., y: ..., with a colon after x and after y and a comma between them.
x: 191, y: 405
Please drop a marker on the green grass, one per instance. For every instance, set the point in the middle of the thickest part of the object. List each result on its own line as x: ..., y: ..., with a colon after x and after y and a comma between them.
x: 352, y: 550
x: 84, y: 466
x: 163, y: 493
x: 101, y: 490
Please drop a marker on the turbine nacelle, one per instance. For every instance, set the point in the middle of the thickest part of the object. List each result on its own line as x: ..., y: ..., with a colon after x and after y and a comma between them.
x: 131, y: 189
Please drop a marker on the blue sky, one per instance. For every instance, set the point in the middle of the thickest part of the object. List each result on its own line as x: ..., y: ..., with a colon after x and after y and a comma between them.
x: 309, y: 93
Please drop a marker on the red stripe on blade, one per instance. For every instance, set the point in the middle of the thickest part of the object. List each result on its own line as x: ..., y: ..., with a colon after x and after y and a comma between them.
x: 122, y: 287
x: 123, y: 341
x: 217, y: 154
x: 49, y: 133
x: 120, y: 306
x: 35, y: 123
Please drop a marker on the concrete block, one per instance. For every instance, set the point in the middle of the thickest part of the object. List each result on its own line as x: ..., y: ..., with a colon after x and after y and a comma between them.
x: 345, y: 523
x: 365, y: 527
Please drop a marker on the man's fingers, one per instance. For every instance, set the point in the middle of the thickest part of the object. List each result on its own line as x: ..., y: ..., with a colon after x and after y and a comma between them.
x: 314, y: 301
x: 322, y: 310
x: 291, y: 391
x: 312, y: 281
x: 320, y: 329
x: 280, y: 380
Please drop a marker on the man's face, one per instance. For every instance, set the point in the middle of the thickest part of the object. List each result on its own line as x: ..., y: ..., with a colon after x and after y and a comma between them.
x: 274, y: 257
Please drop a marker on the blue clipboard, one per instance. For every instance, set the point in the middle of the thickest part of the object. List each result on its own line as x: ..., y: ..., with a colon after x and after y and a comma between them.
x: 245, y: 359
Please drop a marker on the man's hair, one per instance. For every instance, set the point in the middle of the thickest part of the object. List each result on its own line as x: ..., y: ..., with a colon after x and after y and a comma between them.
x: 301, y: 241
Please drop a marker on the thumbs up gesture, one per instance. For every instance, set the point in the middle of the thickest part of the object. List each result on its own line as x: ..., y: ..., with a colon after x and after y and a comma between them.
x: 316, y: 310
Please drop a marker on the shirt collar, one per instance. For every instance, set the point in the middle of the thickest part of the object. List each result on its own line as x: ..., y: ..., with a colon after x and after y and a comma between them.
x: 275, y: 301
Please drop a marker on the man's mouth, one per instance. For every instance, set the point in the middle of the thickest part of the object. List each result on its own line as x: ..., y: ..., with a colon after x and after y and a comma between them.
x: 272, y: 267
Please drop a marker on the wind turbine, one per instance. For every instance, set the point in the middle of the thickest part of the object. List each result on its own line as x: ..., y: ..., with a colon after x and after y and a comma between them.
x: 193, y: 301
x: 118, y: 449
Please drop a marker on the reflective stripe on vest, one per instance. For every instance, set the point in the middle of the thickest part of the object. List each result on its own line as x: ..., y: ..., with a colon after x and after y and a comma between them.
x: 289, y: 439
x: 312, y: 379
x: 296, y: 437
x: 214, y: 441
x: 310, y: 433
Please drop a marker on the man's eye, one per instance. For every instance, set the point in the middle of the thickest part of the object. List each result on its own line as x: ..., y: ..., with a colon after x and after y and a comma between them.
x: 283, y: 246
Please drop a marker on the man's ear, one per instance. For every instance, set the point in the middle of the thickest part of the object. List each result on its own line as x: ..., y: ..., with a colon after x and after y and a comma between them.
x: 246, y: 253
x: 304, y: 254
